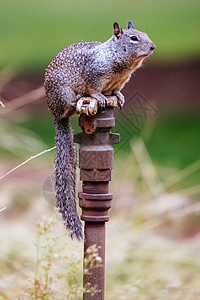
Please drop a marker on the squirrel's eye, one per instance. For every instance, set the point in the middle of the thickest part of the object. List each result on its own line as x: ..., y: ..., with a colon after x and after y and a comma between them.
x: 134, y: 38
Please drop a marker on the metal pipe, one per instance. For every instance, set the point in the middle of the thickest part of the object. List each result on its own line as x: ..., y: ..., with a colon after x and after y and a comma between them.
x: 95, y: 234
x: 96, y: 162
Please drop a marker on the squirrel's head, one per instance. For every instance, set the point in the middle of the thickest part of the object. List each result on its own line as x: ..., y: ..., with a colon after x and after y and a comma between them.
x: 134, y: 42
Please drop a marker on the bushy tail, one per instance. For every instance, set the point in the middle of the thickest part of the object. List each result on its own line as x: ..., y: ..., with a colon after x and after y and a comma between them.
x: 65, y: 177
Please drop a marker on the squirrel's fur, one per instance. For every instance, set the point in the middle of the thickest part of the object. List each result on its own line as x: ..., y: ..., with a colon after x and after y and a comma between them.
x: 92, y: 69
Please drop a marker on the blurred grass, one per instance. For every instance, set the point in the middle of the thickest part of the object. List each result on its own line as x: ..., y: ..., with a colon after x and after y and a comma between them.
x: 174, y: 141
x: 133, y: 264
x: 32, y: 32
x: 172, y: 144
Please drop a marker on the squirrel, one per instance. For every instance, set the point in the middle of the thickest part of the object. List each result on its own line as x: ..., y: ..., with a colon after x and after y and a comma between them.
x: 92, y: 69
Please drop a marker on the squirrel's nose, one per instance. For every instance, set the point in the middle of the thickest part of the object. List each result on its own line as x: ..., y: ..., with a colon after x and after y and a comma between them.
x: 153, y: 46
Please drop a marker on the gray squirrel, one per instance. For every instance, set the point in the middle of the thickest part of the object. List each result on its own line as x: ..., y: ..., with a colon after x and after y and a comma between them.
x: 87, y: 69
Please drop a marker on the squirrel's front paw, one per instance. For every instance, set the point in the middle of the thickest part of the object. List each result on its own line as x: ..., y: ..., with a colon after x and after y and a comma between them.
x: 120, y: 98
x: 101, y: 99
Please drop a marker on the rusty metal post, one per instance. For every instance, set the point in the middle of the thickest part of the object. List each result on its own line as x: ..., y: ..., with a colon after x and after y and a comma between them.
x: 96, y: 162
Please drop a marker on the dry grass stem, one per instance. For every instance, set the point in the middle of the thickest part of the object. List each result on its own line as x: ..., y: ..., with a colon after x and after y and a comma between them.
x: 23, y: 100
x: 26, y: 161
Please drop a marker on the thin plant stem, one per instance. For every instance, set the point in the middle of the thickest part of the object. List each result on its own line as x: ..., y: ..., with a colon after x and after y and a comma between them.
x: 26, y: 161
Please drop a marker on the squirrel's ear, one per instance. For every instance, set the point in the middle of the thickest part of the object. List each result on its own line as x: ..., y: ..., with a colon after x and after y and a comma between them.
x: 130, y: 25
x: 117, y: 30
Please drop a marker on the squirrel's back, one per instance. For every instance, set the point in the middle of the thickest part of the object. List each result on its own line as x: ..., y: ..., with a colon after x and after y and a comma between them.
x: 69, y: 64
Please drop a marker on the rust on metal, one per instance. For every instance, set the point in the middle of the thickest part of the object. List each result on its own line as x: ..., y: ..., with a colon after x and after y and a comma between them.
x: 96, y: 163
x: 95, y: 175
x: 95, y: 235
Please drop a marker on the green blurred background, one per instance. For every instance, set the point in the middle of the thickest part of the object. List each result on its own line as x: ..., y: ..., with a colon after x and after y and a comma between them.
x: 160, y: 160
x: 33, y: 31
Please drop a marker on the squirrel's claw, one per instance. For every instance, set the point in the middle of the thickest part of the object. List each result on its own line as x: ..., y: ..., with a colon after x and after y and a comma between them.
x: 102, y: 103
x: 120, y: 97
x: 100, y: 98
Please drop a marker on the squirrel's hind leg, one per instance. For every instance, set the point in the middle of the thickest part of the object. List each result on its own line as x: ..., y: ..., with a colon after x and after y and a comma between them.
x: 68, y: 98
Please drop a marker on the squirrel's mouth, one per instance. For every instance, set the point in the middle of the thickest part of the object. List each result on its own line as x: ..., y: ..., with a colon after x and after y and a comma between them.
x: 144, y: 55
x: 147, y: 53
